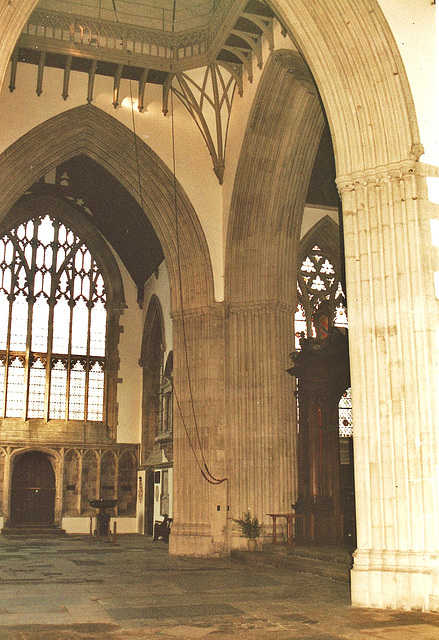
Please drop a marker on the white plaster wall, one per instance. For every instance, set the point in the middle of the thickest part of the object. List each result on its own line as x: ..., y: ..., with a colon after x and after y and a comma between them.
x: 129, y: 391
x: 159, y: 286
x: 22, y: 110
x: 414, y: 26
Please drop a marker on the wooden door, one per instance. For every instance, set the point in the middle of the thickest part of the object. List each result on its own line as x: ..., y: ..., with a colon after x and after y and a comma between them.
x: 33, y: 490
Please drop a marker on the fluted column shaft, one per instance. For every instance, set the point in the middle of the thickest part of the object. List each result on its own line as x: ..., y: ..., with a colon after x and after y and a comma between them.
x: 261, y: 433
x: 391, y: 323
x: 200, y: 504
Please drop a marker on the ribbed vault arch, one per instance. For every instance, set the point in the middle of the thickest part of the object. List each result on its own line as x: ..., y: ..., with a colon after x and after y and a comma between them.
x: 88, y: 130
x: 279, y: 148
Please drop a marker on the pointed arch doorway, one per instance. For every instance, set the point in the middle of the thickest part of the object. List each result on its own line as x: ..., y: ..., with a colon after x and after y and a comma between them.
x: 33, y: 490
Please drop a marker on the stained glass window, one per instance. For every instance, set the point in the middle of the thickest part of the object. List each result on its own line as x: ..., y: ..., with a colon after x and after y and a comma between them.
x: 52, y: 324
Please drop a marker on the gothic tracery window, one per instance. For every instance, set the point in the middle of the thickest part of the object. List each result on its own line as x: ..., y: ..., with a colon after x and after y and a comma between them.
x: 52, y: 324
x: 318, y: 282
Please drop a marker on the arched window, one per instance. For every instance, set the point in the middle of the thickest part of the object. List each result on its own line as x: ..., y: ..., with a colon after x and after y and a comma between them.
x: 53, y: 323
x: 319, y: 280
x: 319, y: 283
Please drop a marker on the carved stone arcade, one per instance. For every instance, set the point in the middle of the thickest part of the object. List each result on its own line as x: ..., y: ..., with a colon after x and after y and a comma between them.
x: 81, y: 473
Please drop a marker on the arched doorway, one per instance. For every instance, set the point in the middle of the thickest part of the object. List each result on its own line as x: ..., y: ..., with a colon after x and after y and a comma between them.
x: 33, y: 490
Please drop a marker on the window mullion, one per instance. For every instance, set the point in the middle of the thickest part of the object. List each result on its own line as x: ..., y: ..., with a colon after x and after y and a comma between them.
x: 52, y: 300
x: 8, y: 352
x: 69, y: 357
x: 87, y: 365
x: 31, y: 302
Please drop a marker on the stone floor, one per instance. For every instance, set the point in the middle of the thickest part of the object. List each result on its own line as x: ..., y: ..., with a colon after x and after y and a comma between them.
x: 77, y: 588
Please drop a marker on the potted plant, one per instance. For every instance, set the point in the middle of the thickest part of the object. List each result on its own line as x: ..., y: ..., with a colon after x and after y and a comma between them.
x: 250, y: 529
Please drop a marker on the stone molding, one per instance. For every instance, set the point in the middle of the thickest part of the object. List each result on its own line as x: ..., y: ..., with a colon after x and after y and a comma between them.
x: 215, y: 310
x: 396, y: 171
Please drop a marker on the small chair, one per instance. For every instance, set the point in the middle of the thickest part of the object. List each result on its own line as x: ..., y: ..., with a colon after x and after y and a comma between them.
x: 162, y: 529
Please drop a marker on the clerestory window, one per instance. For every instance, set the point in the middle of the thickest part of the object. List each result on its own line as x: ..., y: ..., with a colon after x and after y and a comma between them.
x: 53, y: 321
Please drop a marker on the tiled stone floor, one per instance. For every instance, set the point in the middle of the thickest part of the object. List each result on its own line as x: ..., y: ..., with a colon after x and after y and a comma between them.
x: 76, y: 588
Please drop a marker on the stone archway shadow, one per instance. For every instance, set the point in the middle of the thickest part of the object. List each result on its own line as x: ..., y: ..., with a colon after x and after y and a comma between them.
x: 90, y: 131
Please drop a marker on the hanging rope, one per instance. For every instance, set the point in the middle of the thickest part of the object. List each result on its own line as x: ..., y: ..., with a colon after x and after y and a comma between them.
x: 204, y: 469
x: 202, y: 464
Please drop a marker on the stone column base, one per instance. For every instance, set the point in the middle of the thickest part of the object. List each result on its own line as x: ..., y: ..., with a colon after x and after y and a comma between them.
x: 395, y: 579
x: 195, y: 540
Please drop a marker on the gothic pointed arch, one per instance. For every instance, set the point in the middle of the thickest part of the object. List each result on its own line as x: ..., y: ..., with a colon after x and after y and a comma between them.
x: 88, y: 130
x: 272, y: 180
x: 267, y: 205
x: 151, y: 361
x: 328, y: 233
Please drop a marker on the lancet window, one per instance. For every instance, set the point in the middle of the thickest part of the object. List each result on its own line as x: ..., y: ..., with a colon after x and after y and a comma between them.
x: 53, y: 323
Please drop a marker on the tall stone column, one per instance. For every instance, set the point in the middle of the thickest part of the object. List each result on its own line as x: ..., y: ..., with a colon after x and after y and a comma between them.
x: 261, y: 408
x: 200, y: 501
x: 392, y: 311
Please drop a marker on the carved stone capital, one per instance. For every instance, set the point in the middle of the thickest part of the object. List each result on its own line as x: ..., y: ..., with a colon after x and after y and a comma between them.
x: 259, y: 306
x: 394, y: 172
x: 215, y: 310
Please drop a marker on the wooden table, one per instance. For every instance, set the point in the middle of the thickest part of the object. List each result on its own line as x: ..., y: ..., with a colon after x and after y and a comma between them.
x: 290, y: 518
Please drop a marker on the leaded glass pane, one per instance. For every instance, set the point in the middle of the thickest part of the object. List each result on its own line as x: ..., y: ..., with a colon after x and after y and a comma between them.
x: 19, y: 323
x: 6, y: 252
x: 98, y: 323
x: 95, y: 392
x: 58, y: 390
x: 80, y: 328
x: 2, y: 382
x: 340, y: 316
x: 300, y: 325
x: 40, y: 324
x: 61, y: 324
x: 6, y: 278
x: 77, y: 392
x: 4, y: 314
x: 46, y: 233
x: 37, y: 388
x: 15, y: 393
